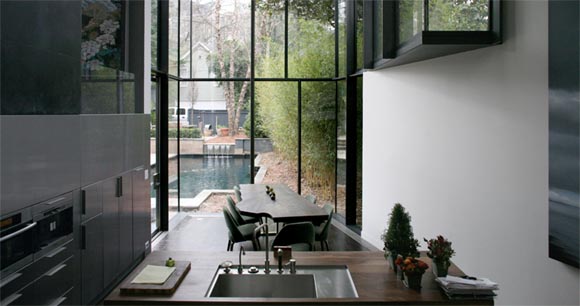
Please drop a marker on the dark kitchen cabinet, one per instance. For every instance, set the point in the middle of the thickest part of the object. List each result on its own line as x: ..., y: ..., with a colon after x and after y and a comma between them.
x: 117, y: 225
x: 92, y: 260
x: 141, y: 213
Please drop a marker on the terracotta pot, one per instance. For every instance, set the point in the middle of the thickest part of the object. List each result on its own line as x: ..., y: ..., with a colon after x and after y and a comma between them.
x: 440, y: 267
x: 413, y: 280
x: 224, y: 132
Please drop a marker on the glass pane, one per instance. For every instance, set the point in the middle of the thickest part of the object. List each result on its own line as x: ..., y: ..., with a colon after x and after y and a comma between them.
x: 341, y: 150
x: 458, y: 15
x: 185, y: 38
x: 378, y: 30
x: 154, y: 30
x: 276, y: 133
x: 218, y: 46
x: 153, y: 155
x: 319, y: 141
x: 359, y: 34
x: 127, y: 92
x: 173, y: 39
x: 311, y: 39
x: 342, y: 38
x: 269, y: 39
x: 359, y: 149
x: 172, y: 135
x: 410, y: 19
x: 209, y: 160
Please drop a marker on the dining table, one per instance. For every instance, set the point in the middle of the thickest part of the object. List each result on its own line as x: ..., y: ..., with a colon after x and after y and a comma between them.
x: 287, y: 207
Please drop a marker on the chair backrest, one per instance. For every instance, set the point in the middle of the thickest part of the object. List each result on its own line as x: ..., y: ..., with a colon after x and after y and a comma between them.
x: 295, y: 233
x: 326, y: 225
x: 311, y: 198
x: 231, y: 224
x: 234, y: 211
x: 238, y: 193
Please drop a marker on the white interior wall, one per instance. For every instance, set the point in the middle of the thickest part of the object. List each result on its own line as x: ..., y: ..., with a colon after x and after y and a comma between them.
x: 462, y: 142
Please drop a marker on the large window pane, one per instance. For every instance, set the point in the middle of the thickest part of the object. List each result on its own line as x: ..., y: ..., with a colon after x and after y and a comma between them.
x: 270, y: 39
x: 359, y: 149
x: 173, y: 51
x: 341, y: 150
x: 276, y: 133
x: 410, y: 19
x: 153, y: 155
x: 459, y: 15
x: 185, y: 38
x: 209, y: 160
x: 378, y: 30
x: 319, y: 140
x: 311, y: 39
x: 359, y: 33
x: 173, y: 152
x: 154, y: 30
x: 341, y: 38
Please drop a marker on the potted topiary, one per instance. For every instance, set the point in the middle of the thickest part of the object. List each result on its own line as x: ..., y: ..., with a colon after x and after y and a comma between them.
x: 398, y: 237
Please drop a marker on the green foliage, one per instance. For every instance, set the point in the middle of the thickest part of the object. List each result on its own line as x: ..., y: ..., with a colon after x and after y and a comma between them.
x: 398, y: 237
x: 319, y: 10
x: 259, y: 129
x: 277, y: 103
x: 184, y: 132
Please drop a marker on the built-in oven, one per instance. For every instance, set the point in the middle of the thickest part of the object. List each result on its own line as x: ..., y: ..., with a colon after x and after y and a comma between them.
x: 54, y: 223
x: 17, y: 240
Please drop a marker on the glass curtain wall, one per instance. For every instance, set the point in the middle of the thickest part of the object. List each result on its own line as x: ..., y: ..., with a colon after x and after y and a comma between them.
x: 298, y: 68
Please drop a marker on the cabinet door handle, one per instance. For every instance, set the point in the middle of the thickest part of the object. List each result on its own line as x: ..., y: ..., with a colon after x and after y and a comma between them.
x: 51, y: 255
x: 9, y: 279
x: 55, y: 201
x: 119, y: 187
x: 11, y: 299
x: 55, y: 270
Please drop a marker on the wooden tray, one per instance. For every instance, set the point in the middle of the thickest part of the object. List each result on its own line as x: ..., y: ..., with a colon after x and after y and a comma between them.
x: 167, y: 288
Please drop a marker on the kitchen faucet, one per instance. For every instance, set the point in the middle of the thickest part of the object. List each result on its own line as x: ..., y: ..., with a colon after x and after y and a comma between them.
x: 267, y: 262
x: 240, y: 267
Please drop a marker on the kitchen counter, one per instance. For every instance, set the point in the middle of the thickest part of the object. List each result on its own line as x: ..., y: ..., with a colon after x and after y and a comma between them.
x: 375, y: 282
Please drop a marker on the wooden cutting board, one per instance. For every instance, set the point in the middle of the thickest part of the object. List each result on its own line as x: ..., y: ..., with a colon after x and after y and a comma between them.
x: 167, y: 288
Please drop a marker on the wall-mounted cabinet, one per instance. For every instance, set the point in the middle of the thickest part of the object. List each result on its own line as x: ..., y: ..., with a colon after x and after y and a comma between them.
x: 408, y: 31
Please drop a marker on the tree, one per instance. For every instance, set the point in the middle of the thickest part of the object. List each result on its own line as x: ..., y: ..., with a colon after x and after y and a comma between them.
x: 398, y: 237
x: 232, y: 61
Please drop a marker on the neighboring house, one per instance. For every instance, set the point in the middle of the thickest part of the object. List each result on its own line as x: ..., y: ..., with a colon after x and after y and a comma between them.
x: 204, y: 100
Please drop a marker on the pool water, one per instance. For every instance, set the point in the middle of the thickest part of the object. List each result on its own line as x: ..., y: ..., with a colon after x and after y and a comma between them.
x: 199, y: 173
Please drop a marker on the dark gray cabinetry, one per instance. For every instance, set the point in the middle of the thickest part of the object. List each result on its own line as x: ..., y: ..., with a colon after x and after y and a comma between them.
x: 117, y: 225
x: 92, y: 253
x: 141, y: 212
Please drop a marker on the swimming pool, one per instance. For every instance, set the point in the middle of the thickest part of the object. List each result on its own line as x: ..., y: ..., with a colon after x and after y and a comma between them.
x: 198, y: 173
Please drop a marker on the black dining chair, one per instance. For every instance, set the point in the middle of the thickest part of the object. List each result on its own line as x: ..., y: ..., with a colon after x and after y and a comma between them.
x: 237, y: 214
x: 240, y: 233
x: 323, y: 229
x: 300, y: 236
x: 238, y: 193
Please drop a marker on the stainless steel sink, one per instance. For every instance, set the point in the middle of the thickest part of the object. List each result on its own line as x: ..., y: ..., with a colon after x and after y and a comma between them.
x: 308, y: 282
x: 264, y: 286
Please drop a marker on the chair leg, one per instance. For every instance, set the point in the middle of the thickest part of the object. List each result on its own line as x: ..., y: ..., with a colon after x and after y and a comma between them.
x: 321, y: 245
x: 326, y: 242
x: 230, y: 245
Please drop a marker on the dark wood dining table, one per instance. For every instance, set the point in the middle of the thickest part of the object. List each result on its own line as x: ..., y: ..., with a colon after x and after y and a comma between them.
x: 288, y: 206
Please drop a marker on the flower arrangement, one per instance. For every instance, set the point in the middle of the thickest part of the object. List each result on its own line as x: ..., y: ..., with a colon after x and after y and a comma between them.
x: 439, y: 249
x: 101, y: 34
x: 413, y: 266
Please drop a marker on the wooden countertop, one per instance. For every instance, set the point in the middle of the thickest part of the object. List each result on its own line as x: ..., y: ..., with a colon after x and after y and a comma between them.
x: 375, y: 282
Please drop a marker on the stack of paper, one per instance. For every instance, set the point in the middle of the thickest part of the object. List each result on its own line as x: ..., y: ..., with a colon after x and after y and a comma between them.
x: 461, y: 288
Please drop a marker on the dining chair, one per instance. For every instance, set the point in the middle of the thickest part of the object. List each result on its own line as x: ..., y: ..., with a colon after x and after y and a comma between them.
x: 322, y: 230
x: 311, y: 198
x: 240, y: 233
x: 238, y: 193
x: 237, y: 214
x: 300, y: 236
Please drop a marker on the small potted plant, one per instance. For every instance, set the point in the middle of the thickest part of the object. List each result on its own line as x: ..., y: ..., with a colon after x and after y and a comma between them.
x: 439, y: 249
x: 413, y: 270
x: 398, y: 237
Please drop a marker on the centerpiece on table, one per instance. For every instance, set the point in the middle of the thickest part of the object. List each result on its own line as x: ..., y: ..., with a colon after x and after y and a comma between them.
x: 413, y: 270
x: 441, y: 252
x: 270, y: 192
x: 398, y: 237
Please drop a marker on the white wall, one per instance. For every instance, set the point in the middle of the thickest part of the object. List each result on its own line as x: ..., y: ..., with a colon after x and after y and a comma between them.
x: 462, y: 143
